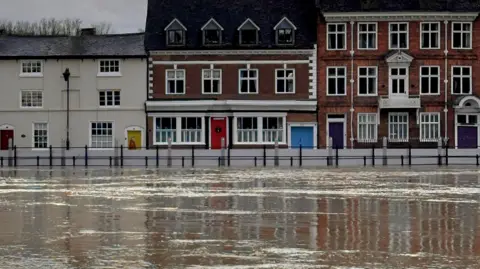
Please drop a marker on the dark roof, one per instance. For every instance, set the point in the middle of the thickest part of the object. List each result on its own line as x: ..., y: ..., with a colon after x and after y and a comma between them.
x: 121, y: 45
x: 398, y: 5
x: 230, y: 14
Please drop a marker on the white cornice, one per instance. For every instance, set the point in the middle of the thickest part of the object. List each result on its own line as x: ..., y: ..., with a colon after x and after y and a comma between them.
x: 232, y: 52
x: 232, y: 105
x: 232, y: 62
x: 399, y: 16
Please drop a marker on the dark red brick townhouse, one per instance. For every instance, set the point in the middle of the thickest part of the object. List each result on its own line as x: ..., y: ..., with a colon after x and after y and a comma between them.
x: 403, y: 70
x: 239, y: 71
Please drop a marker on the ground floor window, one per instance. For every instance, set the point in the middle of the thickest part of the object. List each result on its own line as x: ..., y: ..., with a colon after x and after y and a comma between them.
x: 40, y: 135
x: 247, y: 129
x: 398, y: 127
x: 429, y: 126
x: 252, y: 129
x: 101, y: 134
x: 181, y: 130
x: 367, y: 127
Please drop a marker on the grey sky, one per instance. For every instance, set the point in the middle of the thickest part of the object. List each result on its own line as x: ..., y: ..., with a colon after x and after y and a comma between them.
x: 125, y: 15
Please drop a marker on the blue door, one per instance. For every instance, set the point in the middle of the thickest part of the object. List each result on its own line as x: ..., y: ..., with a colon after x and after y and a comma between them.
x: 301, y: 136
x: 336, y: 132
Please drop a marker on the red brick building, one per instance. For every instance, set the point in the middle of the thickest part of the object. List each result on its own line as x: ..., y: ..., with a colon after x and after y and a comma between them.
x: 398, y: 69
x: 233, y: 71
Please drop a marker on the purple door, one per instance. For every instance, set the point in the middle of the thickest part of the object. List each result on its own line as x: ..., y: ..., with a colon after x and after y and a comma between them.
x: 467, y: 137
x: 335, y: 131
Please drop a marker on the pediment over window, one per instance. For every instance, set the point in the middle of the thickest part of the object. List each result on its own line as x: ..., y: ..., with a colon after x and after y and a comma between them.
x: 469, y: 101
x: 398, y: 57
x: 212, y: 32
x: 248, y: 33
x: 212, y: 24
x: 285, y: 23
x: 175, y: 32
x: 248, y: 24
x: 175, y: 24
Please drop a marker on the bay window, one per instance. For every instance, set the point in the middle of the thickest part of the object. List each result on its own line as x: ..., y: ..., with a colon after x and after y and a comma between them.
x: 263, y: 130
x: 181, y: 130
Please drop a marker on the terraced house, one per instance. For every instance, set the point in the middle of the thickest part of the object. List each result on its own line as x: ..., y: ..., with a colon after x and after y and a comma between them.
x: 398, y: 69
x: 240, y: 73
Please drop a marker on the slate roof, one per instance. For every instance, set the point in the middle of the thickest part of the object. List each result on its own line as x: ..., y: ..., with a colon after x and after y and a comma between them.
x: 230, y: 14
x: 398, y: 5
x: 94, y: 46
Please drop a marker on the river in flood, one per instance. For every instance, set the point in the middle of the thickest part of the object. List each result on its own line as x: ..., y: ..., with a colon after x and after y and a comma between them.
x: 252, y: 218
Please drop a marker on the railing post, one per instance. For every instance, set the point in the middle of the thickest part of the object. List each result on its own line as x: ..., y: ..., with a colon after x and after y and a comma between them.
x: 193, y: 156
x: 50, y: 155
x: 446, y: 154
x: 63, y: 161
x: 275, y: 160
x: 222, y: 152
x: 264, y: 155
x: 10, y: 152
x: 38, y: 161
x: 330, y: 149
x: 477, y: 160
x: 336, y: 156
x: 169, y: 152
x: 183, y: 161
x: 110, y: 161
x: 86, y: 155
x: 409, y: 154
x: 300, y: 157
x: 384, y: 144
x: 157, y: 160
x: 439, y: 148
x: 121, y: 155
x: 14, y: 156
x: 146, y: 161
x: 73, y: 161
x: 228, y: 156
x: 373, y: 154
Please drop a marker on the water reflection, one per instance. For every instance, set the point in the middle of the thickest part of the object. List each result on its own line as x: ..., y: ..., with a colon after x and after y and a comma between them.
x: 257, y: 218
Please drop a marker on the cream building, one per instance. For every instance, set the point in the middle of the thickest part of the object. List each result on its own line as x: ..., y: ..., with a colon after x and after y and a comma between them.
x: 106, y: 89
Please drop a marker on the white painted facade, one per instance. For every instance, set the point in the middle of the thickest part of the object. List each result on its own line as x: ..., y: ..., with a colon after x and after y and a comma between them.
x: 86, y: 83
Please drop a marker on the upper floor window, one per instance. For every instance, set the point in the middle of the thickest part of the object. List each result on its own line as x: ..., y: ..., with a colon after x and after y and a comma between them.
x: 367, y: 36
x: 31, y: 99
x: 285, y: 32
x: 398, y: 32
x: 212, y: 81
x: 461, y: 80
x: 175, y: 81
x: 336, y: 80
x: 31, y: 68
x: 430, y: 35
x: 336, y: 36
x: 175, y: 33
x: 398, y: 80
x: 461, y: 35
x: 285, y: 81
x: 212, y: 32
x: 109, y: 98
x: 248, y: 81
x: 248, y: 33
x: 109, y: 67
x: 429, y: 80
x: 367, y: 80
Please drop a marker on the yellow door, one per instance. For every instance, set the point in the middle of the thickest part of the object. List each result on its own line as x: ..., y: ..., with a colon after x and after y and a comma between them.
x: 134, y: 139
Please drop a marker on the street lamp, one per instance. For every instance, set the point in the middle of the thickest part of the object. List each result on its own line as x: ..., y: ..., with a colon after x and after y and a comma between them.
x: 66, y: 77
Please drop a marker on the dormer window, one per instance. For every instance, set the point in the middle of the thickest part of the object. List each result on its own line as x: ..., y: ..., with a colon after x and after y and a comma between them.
x: 248, y: 33
x: 285, y: 32
x: 212, y: 32
x: 175, y: 33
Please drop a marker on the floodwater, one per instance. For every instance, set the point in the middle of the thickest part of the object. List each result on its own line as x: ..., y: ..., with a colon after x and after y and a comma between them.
x: 256, y: 218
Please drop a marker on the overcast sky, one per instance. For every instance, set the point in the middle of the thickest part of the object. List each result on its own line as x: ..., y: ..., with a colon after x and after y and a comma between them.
x: 125, y: 15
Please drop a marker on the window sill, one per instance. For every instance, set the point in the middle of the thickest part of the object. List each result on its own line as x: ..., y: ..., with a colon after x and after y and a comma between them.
x: 40, y: 149
x: 211, y: 93
x: 285, y: 92
x: 169, y: 93
x: 248, y: 93
x: 429, y: 94
x: 368, y: 49
x: 429, y: 48
x: 107, y: 107
x: 179, y: 144
x: 90, y: 148
x: 31, y: 108
x: 461, y: 48
x: 109, y: 75
x: 374, y: 140
x: 333, y: 95
x: 398, y: 140
x: 336, y: 49
x: 30, y: 75
x: 367, y: 95
x: 429, y: 140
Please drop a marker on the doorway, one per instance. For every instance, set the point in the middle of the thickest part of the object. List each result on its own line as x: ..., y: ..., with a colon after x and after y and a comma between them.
x: 218, y: 130
x: 336, y: 130
x: 5, y: 136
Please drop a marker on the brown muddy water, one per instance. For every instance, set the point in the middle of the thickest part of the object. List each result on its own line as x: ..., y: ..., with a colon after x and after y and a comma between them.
x: 256, y: 218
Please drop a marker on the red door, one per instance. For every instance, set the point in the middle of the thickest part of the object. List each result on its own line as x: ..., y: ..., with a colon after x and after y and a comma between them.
x: 217, y: 131
x: 5, y: 135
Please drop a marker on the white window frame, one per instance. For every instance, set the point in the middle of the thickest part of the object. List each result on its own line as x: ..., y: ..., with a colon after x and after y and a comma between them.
x: 429, y: 76
x: 398, y: 33
x: 428, y: 137
x: 462, y: 32
x: 336, y: 80
x: 33, y: 136
x: 167, y: 79
x: 108, y: 73
x: 429, y: 32
x: 367, y: 33
x: 90, y: 140
x: 178, y: 130
x: 392, y: 77
x: 112, y: 92
x: 260, y: 128
x: 461, y: 76
x: 336, y: 33
x: 396, y: 138
x: 368, y: 123
x: 31, y: 74
x: 240, y: 79
x: 30, y: 93
x: 367, y: 77
x: 285, y: 79
x: 212, y: 79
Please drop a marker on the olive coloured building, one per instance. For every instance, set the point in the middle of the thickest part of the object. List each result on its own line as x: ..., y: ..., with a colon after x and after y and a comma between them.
x: 241, y: 71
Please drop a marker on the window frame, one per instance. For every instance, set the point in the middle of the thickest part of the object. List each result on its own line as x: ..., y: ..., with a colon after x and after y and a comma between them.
x: 367, y: 33
x: 367, y: 76
x: 430, y: 123
x: 375, y: 122
x: 398, y: 33
x: 336, y: 77
x: 398, y: 114
x: 336, y: 33
x: 167, y: 79
x: 260, y: 128
x: 109, y: 74
x: 429, y: 76
x: 31, y: 74
x: 461, y: 76
x: 211, y: 79
x: 285, y: 79
x: 391, y: 77
x: 461, y: 32
x: 178, y: 129
x: 240, y: 79
x: 173, y: 44
x: 90, y: 136
x: 30, y: 107
x: 106, y: 91
x: 429, y: 32
x: 33, y: 135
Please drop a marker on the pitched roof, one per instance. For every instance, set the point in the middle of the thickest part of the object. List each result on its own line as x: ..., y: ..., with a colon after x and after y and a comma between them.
x: 230, y: 14
x: 403, y: 5
x: 121, y: 45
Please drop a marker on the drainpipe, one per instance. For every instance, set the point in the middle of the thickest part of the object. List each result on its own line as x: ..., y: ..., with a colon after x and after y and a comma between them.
x: 352, y: 81
x: 445, y: 81
x: 66, y: 77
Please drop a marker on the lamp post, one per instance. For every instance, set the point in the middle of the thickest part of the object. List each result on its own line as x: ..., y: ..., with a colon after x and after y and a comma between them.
x: 66, y: 76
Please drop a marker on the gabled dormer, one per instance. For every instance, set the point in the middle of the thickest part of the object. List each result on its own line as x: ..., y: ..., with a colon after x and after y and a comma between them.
x: 248, y: 33
x: 285, y: 32
x: 212, y: 33
x: 176, y: 33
